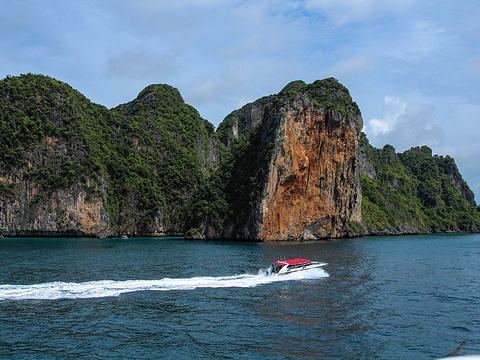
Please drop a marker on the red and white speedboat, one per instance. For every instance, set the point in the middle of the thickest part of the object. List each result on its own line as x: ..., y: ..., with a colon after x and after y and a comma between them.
x: 283, y: 267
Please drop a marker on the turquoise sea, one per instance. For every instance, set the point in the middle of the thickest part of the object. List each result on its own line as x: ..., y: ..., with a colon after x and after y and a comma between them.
x: 407, y: 297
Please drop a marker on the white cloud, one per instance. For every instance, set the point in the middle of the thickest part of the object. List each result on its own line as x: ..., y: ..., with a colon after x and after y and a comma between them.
x: 393, y: 108
x: 404, y: 125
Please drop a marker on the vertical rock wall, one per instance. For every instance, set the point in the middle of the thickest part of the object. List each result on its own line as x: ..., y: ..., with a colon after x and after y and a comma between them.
x: 71, y: 211
x: 312, y: 190
x: 28, y: 209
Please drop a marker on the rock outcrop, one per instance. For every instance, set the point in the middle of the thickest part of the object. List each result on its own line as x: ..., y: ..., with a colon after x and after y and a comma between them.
x: 310, y: 189
x: 72, y: 167
x: 291, y: 167
x: 413, y: 192
x: 30, y: 207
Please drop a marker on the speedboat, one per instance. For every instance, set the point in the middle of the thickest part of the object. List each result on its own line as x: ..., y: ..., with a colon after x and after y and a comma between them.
x: 283, y: 267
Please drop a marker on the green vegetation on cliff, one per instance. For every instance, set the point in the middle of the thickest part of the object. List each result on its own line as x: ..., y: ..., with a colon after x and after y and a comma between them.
x: 35, y: 106
x: 158, y: 167
x: 248, y: 136
x: 151, y: 152
x: 326, y: 94
x: 159, y: 159
x: 414, y: 192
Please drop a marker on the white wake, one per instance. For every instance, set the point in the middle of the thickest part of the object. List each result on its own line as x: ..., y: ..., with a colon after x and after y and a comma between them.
x: 105, y: 288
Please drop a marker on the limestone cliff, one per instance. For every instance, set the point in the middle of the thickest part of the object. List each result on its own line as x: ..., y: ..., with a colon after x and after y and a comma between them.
x: 312, y: 188
x: 289, y: 166
x: 35, y: 205
x: 71, y: 211
x: 49, y: 184
x: 413, y: 192
x: 72, y: 167
x: 307, y: 177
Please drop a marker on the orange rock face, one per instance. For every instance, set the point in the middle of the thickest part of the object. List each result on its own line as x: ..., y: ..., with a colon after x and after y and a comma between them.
x: 312, y: 190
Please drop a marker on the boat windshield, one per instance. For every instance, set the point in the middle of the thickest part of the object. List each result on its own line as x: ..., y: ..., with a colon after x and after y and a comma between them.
x: 296, y: 266
x: 275, y: 268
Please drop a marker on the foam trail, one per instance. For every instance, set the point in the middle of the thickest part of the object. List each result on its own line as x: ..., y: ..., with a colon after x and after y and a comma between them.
x: 105, y: 288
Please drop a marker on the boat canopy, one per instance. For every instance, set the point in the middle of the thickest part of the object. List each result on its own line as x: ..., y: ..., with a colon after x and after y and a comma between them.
x: 293, y: 262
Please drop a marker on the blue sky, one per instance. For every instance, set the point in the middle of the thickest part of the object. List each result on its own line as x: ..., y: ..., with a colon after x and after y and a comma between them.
x: 413, y: 66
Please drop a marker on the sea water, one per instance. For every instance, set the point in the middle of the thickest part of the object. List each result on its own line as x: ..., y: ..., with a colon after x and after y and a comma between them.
x: 415, y: 297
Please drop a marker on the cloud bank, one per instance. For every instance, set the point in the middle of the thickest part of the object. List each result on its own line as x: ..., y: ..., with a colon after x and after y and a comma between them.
x: 405, y: 126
